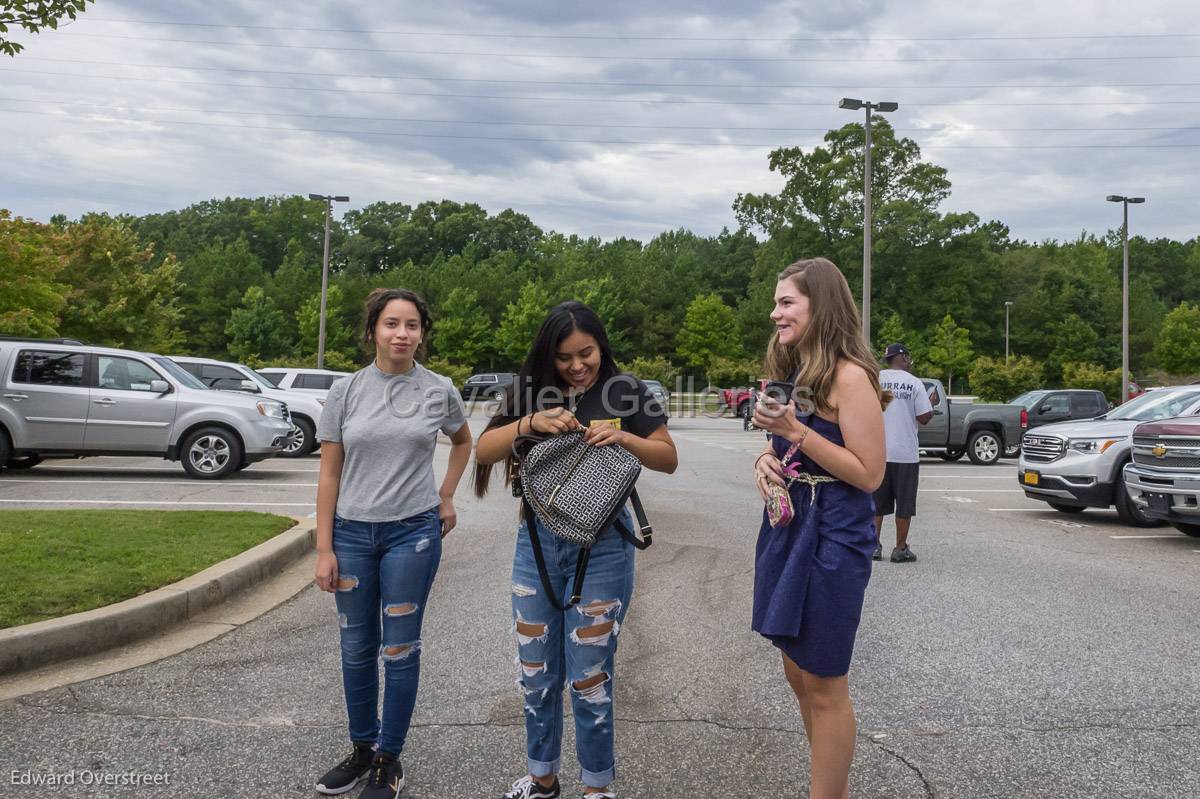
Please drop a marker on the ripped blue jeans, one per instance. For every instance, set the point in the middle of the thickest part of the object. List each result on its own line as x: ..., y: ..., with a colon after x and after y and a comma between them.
x: 385, y: 571
x: 576, y: 646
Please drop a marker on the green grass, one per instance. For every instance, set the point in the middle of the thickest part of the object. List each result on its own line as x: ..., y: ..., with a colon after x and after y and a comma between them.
x: 59, y: 562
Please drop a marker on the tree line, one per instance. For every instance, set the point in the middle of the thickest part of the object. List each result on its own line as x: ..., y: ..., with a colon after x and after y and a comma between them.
x: 240, y: 278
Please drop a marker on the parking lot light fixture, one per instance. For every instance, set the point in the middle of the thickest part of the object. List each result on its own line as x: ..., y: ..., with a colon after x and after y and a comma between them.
x: 852, y: 104
x: 1125, y: 202
x: 329, y: 200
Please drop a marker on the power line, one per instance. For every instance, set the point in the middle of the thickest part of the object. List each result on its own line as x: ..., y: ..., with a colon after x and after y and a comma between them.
x: 635, y: 100
x: 531, y: 139
x: 608, y: 57
x: 616, y: 84
x: 655, y: 38
x: 68, y: 102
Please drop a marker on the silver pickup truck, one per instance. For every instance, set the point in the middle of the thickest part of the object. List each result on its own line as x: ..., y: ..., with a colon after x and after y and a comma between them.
x: 981, y: 431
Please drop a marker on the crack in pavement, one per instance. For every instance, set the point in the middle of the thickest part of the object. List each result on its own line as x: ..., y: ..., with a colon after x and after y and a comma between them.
x: 929, y: 793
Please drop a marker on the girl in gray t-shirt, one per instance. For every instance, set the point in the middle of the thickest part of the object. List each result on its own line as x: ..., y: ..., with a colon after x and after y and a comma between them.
x: 380, y: 524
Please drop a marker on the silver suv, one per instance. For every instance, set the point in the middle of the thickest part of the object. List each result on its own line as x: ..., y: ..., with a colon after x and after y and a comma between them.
x: 1076, y: 465
x: 304, y: 409
x: 71, y: 400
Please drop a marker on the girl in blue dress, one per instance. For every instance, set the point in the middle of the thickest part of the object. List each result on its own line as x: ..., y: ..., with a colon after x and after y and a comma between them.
x: 827, y: 453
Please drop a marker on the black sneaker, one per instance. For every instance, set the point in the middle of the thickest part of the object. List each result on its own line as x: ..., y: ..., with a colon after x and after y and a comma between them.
x: 878, y: 552
x: 527, y: 788
x: 385, y: 780
x: 903, y: 555
x: 346, y: 775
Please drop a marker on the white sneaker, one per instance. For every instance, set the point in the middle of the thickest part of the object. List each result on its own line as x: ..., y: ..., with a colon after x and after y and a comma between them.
x: 527, y: 788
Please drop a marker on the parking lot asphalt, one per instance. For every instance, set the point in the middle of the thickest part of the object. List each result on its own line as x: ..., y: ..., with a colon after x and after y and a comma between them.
x: 1026, y: 654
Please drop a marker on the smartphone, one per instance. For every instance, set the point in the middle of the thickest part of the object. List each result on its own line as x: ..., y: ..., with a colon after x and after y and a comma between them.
x: 779, y: 391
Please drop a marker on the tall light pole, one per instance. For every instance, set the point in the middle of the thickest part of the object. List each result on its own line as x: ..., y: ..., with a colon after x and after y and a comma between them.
x: 329, y: 199
x: 851, y: 104
x: 1125, y: 201
x: 1007, y: 306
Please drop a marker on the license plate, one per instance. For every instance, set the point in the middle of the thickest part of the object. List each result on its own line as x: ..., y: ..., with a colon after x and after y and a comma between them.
x: 1160, y: 502
x: 1031, y: 478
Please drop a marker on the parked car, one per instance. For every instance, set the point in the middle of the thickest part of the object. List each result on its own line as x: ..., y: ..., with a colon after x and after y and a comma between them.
x: 981, y: 431
x: 658, y: 391
x: 309, y: 381
x: 304, y: 409
x: 489, y: 385
x: 1076, y: 465
x: 1163, y: 479
x: 71, y: 400
x: 1046, y: 406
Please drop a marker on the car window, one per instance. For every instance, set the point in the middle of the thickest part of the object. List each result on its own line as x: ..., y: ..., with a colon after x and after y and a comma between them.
x: 177, y: 371
x: 1156, y: 405
x: 262, y: 381
x: 210, y: 373
x: 125, y: 374
x: 275, y: 378
x: 191, y: 368
x: 49, y: 368
x: 1028, y: 399
x: 1055, y: 403
x: 1085, y: 405
x: 321, y: 382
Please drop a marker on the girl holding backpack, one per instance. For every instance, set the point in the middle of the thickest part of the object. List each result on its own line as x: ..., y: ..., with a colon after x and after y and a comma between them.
x: 569, y: 382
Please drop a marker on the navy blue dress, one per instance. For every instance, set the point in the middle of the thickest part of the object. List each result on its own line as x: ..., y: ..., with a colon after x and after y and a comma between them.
x: 811, y: 574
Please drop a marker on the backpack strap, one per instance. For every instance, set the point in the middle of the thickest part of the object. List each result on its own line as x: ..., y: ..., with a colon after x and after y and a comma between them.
x: 535, y: 543
x: 644, y: 525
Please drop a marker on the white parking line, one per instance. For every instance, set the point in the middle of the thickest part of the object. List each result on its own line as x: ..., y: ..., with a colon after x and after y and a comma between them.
x: 148, y: 469
x: 1138, y: 537
x: 193, y: 483
x: 149, y: 502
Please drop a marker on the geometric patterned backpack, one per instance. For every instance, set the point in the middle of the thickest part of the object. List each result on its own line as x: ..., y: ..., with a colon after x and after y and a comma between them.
x: 576, y: 491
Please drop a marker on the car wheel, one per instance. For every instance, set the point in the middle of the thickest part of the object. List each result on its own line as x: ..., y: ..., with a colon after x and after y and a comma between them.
x: 5, y: 449
x: 1062, y: 508
x: 952, y: 454
x: 1188, y: 529
x: 300, y: 440
x: 984, y: 447
x: 496, y: 394
x: 24, y: 462
x: 1013, y: 452
x: 1128, y: 512
x: 210, y: 453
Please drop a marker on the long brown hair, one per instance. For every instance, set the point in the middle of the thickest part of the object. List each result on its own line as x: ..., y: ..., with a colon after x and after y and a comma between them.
x: 833, y: 335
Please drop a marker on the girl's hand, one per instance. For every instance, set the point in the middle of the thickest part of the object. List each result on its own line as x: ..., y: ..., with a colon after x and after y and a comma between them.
x: 448, y: 515
x: 777, y: 419
x: 602, y: 434
x: 326, y: 573
x: 768, y: 470
x: 554, y: 422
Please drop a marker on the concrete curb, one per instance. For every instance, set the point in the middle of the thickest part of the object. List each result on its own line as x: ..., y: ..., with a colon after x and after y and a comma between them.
x: 44, y: 642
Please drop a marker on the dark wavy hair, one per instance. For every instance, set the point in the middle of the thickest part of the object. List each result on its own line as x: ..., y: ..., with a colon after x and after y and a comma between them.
x: 378, y: 299
x: 538, y: 373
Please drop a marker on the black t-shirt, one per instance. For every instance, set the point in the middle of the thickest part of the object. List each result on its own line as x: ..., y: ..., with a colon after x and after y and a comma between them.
x: 624, y: 399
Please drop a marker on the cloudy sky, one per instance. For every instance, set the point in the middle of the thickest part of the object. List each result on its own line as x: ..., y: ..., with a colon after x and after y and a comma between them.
x: 618, y: 118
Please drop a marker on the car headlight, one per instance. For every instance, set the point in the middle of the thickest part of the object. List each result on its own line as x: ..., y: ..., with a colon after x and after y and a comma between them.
x: 1096, y: 446
x: 272, y: 409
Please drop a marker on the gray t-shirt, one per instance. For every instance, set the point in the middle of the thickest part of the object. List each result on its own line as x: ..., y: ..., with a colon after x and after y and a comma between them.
x: 388, y: 426
x: 910, y: 399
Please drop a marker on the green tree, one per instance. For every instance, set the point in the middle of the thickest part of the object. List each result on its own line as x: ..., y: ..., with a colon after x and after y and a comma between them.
x: 994, y: 381
x: 34, y: 16
x: 31, y: 294
x: 657, y: 368
x: 951, y: 350
x: 461, y: 332
x: 215, y: 280
x: 339, y: 336
x: 727, y: 372
x: 1093, y: 376
x: 255, y: 328
x: 709, y: 331
x: 115, y: 296
x: 1075, y: 341
x: 521, y: 322
x: 1178, y: 345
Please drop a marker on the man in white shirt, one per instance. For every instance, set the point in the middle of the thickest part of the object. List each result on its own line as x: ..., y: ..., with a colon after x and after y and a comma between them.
x: 908, y: 408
